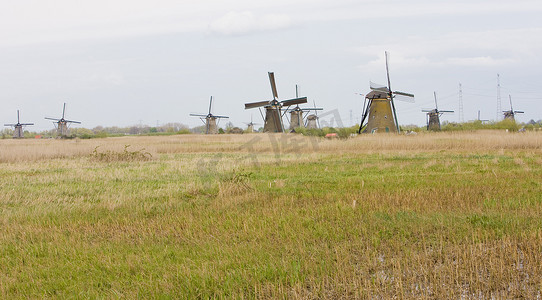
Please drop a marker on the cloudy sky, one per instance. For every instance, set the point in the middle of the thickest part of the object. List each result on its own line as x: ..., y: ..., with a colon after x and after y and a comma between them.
x: 129, y: 62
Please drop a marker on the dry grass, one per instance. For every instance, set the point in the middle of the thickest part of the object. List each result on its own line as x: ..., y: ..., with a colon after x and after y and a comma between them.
x: 32, y: 150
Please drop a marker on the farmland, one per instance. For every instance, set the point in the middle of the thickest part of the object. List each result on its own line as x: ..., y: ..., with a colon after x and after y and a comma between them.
x: 436, y: 215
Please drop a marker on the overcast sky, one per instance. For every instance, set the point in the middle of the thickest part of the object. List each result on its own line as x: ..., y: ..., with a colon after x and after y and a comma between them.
x: 121, y: 63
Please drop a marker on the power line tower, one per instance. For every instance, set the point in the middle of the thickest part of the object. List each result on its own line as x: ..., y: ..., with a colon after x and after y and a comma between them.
x: 461, y: 118
x: 499, y: 109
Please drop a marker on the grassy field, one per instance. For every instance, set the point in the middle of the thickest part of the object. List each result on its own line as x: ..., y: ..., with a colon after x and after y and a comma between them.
x: 444, y: 215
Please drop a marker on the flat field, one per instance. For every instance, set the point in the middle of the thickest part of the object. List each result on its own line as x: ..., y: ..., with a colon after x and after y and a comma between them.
x: 445, y: 215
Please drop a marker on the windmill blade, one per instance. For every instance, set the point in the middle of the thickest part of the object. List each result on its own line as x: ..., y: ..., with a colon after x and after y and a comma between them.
x: 436, y: 105
x: 273, y: 85
x: 210, y: 103
x: 403, y: 94
x: 52, y: 119
x: 26, y: 124
x: 316, y: 114
x: 427, y: 110
x: 256, y: 104
x: 404, y: 98
x: 68, y: 121
x: 378, y: 87
x: 315, y: 108
x: 18, y: 120
x: 294, y: 101
x: 510, y: 97
x: 220, y: 117
x: 518, y: 112
x: 389, y: 89
x: 198, y: 115
x: 446, y: 111
x: 63, y: 110
x: 10, y: 124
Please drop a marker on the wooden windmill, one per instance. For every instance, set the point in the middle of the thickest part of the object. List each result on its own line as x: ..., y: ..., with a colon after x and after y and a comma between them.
x: 510, y: 114
x: 18, y: 127
x: 433, y: 116
x: 210, y: 120
x: 62, y: 125
x: 379, y: 107
x: 296, y: 114
x: 273, y: 108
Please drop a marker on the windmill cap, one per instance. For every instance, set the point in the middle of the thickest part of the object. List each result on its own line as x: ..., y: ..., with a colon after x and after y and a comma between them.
x: 377, y: 95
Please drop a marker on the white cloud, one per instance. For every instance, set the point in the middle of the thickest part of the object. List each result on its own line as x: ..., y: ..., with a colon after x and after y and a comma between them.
x: 238, y: 23
x: 35, y: 21
x: 483, y: 48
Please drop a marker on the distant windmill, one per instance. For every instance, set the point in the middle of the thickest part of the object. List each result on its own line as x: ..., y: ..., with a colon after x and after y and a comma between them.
x: 18, y: 128
x: 313, y: 121
x: 273, y: 113
x: 433, y: 116
x: 250, y: 128
x: 210, y: 120
x: 62, y: 125
x: 379, y: 107
x: 509, y: 114
x: 296, y: 114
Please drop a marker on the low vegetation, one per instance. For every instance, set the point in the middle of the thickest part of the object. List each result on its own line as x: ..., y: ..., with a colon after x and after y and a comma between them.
x: 439, y: 215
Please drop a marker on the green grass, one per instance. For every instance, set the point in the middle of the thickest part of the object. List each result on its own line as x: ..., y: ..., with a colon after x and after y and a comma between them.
x: 436, y: 225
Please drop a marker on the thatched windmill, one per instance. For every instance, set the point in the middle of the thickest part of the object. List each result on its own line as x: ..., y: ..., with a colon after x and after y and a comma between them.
x: 18, y: 128
x: 296, y: 114
x: 379, y: 107
x: 433, y: 116
x: 509, y: 114
x: 273, y: 113
x: 210, y: 120
x: 62, y: 125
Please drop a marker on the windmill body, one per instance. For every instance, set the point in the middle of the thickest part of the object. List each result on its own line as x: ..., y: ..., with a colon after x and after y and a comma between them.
x: 433, y: 123
x: 18, y: 132
x: 312, y: 121
x: 296, y: 118
x: 62, y: 125
x: 379, y: 108
x: 211, y: 126
x: 380, y: 113
x: 273, y: 108
x: 273, y: 119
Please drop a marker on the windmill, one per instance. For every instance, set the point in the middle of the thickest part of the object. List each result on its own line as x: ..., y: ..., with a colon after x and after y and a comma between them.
x: 250, y: 128
x: 210, y: 120
x: 62, y: 125
x: 509, y: 114
x: 18, y: 128
x: 273, y: 113
x: 379, y: 107
x: 433, y: 116
x: 313, y: 121
x: 296, y: 114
